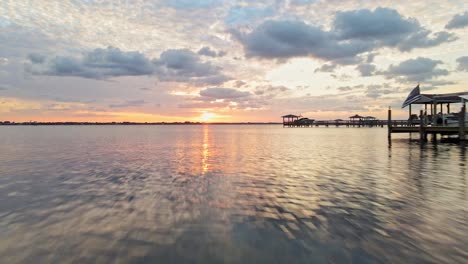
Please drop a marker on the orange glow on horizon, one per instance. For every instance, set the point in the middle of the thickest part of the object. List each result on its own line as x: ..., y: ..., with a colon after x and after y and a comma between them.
x: 207, y: 116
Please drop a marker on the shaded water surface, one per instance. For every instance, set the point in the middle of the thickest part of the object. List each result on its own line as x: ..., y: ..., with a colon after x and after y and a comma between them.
x: 229, y: 194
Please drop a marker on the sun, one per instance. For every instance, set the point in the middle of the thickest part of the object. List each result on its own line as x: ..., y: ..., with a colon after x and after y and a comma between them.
x: 206, y: 116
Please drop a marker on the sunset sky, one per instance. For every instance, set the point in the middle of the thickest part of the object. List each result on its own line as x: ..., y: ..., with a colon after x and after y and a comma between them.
x: 226, y: 61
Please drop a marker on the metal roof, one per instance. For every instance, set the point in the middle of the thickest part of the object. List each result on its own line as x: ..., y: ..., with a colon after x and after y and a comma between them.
x: 290, y: 116
x: 415, y: 97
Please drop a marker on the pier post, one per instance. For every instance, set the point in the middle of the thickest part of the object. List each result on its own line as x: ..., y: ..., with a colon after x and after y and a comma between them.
x: 461, y: 132
x: 422, y: 129
x: 389, y: 123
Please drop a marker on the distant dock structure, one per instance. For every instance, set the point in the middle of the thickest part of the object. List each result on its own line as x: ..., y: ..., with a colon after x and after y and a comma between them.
x: 354, y: 121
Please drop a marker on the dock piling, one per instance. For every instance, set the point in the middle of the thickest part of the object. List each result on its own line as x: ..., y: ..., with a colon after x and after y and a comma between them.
x: 461, y: 133
x: 389, y: 122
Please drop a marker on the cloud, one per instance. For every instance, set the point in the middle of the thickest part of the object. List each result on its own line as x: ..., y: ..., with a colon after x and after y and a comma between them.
x: 177, y: 65
x: 302, y: 2
x: 97, y: 64
x: 207, y: 51
x: 352, y: 34
x: 377, y: 91
x: 183, y: 65
x: 36, y: 58
x: 230, y: 98
x: 270, y: 91
x: 223, y: 93
x: 129, y: 103
x: 385, y: 27
x: 244, y: 15
x: 458, y: 21
x: 415, y: 70
x: 190, y: 4
x: 4, y: 87
x: 3, y: 61
x: 462, y: 63
x: 327, y: 68
x: 287, y: 39
x: 350, y: 88
x: 366, y: 69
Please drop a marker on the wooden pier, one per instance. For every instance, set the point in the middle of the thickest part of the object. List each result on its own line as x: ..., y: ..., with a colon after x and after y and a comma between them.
x: 354, y: 121
x: 423, y: 128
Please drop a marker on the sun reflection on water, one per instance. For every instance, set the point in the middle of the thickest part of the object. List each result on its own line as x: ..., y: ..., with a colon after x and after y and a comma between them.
x: 205, y: 150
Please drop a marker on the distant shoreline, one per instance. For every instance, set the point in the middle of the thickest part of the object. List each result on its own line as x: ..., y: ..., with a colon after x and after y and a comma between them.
x: 129, y: 123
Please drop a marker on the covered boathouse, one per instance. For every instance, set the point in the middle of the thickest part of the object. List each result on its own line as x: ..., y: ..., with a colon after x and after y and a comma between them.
x: 433, y: 118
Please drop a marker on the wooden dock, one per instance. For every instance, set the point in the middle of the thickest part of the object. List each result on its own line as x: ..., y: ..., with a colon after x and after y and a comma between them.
x: 333, y: 123
x: 423, y: 129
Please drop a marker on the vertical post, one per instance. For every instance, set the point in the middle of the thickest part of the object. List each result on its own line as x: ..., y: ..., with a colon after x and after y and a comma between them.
x: 389, y: 123
x: 448, y: 108
x: 461, y: 133
x: 409, y: 118
x: 422, y: 130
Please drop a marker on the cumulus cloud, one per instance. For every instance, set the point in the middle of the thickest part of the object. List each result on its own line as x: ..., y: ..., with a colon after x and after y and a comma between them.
x: 97, y: 64
x: 376, y: 90
x: 36, y: 58
x: 231, y: 98
x: 177, y: 65
x: 326, y: 68
x: 366, y: 69
x: 223, y: 93
x: 387, y: 28
x: 352, y: 34
x: 287, y: 39
x: 458, y: 21
x: 270, y: 91
x: 415, y: 70
x: 462, y: 63
x: 207, y: 51
x: 183, y: 65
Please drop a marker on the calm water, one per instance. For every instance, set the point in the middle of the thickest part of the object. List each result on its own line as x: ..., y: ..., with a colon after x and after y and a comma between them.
x: 229, y: 194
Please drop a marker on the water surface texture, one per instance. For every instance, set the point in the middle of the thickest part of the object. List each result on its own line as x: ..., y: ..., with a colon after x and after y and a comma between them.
x: 229, y: 194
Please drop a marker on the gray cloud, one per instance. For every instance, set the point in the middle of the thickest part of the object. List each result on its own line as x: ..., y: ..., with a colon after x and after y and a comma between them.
x: 377, y: 91
x: 97, y: 64
x: 183, y: 65
x: 129, y: 103
x: 350, y: 88
x: 207, y: 51
x: 270, y: 91
x: 177, y: 65
x: 462, y: 63
x: 244, y: 15
x: 415, y: 70
x: 353, y: 33
x: 327, y: 68
x: 366, y: 69
x: 385, y: 27
x: 37, y: 58
x: 458, y: 21
x: 287, y: 39
x: 223, y: 93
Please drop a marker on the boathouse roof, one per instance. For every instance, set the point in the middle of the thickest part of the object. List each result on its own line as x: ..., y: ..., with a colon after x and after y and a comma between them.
x: 290, y: 116
x: 356, y: 116
x: 415, y: 97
